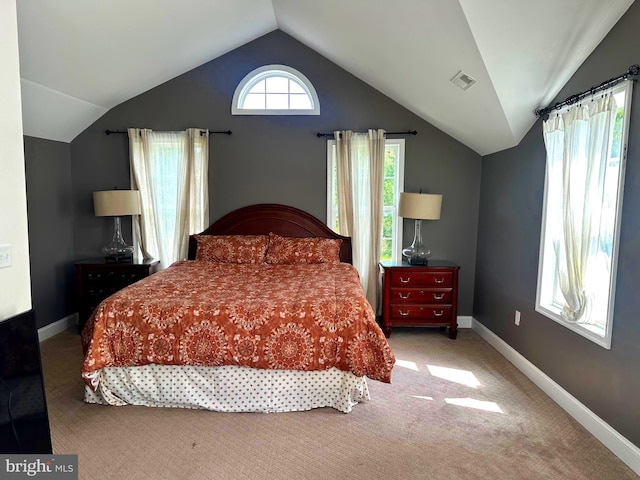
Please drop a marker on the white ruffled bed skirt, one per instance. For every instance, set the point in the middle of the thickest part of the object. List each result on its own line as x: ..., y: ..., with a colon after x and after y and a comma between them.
x: 227, y: 388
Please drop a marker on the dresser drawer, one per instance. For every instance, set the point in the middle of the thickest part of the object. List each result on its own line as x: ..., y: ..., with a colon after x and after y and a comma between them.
x: 408, y: 278
x: 420, y: 313
x: 421, y: 295
x: 127, y: 277
x: 98, y: 293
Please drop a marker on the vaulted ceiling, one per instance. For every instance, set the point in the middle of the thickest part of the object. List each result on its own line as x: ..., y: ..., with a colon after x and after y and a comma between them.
x: 80, y: 58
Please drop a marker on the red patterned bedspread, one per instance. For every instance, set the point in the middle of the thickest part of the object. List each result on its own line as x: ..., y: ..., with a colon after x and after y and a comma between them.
x: 286, y: 317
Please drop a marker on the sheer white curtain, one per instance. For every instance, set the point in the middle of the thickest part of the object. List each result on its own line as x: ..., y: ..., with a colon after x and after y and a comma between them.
x: 577, y: 143
x: 360, y: 178
x: 170, y: 169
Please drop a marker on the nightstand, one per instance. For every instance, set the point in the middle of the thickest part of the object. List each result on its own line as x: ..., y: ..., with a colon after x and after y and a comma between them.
x: 420, y: 295
x: 97, y: 279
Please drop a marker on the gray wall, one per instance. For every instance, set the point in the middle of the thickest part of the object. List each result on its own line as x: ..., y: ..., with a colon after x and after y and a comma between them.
x: 606, y: 381
x: 279, y: 159
x: 50, y: 220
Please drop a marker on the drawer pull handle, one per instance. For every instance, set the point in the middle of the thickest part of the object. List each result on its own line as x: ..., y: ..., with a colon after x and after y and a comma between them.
x: 438, y: 296
x: 441, y: 280
x: 438, y: 314
x: 404, y: 296
x: 403, y: 314
x: 407, y: 280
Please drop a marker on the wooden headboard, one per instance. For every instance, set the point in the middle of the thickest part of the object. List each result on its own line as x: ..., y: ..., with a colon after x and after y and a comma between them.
x: 262, y: 219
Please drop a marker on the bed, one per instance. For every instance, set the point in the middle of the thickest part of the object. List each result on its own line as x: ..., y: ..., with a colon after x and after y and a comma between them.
x: 266, y: 315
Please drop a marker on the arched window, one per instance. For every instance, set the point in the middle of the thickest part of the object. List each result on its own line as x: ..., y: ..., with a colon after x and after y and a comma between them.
x: 275, y: 90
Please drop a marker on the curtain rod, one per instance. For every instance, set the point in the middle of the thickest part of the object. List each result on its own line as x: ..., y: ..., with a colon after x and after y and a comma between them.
x: 109, y: 132
x: 633, y: 71
x: 409, y: 132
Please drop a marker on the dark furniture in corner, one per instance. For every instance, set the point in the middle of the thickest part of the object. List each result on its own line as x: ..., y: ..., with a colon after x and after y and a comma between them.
x: 420, y: 295
x: 97, y: 279
x: 24, y: 422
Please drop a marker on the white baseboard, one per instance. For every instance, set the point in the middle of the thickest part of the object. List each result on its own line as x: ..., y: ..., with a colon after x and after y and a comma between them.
x: 619, y: 445
x: 55, y: 328
x: 465, y: 322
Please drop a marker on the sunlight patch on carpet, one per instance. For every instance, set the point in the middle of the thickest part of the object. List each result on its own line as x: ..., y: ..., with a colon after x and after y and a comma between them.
x: 407, y: 364
x: 476, y: 404
x: 463, y: 377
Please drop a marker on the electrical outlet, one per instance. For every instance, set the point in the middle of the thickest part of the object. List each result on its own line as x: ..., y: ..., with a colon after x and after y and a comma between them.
x: 5, y: 256
x: 517, y: 317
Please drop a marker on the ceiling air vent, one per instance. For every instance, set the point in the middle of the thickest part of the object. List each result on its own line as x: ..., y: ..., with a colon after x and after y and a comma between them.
x: 463, y: 80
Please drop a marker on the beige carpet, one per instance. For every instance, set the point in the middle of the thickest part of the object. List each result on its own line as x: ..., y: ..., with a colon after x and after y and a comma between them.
x: 456, y: 409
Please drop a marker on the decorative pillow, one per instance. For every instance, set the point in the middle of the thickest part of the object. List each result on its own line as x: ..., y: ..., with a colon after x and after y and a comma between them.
x: 303, y: 250
x: 232, y: 248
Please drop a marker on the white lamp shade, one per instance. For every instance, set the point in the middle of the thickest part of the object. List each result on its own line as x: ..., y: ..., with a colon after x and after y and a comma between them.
x: 423, y: 206
x: 116, y: 203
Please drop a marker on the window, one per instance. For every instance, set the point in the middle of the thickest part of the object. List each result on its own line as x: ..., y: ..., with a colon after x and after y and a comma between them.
x: 583, y: 202
x: 393, y: 185
x: 170, y: 170
x: 166, y: 172
x: 275, y: 90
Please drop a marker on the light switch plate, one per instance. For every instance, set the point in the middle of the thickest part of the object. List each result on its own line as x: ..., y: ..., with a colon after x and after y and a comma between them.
x: 5, y: 256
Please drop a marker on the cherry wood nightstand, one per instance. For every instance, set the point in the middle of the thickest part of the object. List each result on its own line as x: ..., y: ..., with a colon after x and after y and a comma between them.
x: 420, y: 295
x: 97, y: 279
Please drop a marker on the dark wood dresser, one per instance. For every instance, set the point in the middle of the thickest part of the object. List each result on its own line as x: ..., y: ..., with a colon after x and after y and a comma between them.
x: 97, y: 279
x: 420, y: 295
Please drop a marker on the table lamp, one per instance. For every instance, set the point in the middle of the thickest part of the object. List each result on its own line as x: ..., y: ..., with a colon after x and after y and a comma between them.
x: 419, y: 206
x: 116, y: 203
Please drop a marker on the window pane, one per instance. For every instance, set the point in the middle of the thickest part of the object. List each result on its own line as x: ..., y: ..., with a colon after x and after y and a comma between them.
x: 617, y: 133
x: 294, y: 87
x: 390, y: 156
x: 277, y: 85
x: 254, y: 101
x: 389, y: 192
x: 167, y: 153
x: 385, y: 252
x: 387, y: 224
x: 277, y: 101
x: 300, y: 102
x: 258, y: 87
x: 334, y: 186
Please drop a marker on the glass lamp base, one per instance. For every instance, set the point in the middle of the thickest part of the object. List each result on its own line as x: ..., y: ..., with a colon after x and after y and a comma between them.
x: 117, y: 251
x: 417, y: 260
x: 417, y: 253
x: 119, y: 258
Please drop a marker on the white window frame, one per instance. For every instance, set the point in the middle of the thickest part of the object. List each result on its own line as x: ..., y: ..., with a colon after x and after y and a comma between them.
x: 594, y: 333
x: 264, y: 72
x: 332, y: 212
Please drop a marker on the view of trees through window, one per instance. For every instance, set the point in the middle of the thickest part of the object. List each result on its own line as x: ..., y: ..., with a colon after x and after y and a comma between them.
x: 599, y: 217
x: 393, y: 185
x: 390, y: 220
